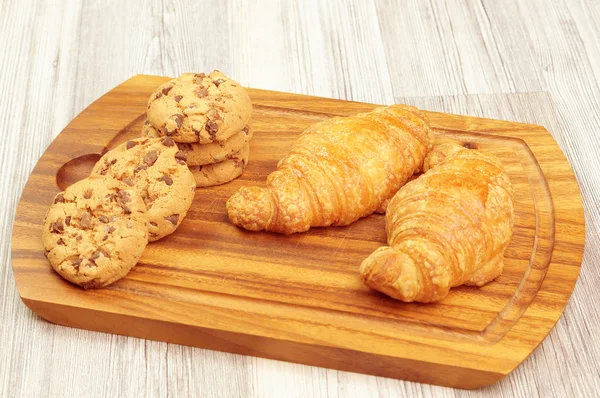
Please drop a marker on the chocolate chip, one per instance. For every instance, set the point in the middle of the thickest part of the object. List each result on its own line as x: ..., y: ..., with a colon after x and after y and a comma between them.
x: 78, y: 238
x: 77, y: 262
x: 153, y: 224
x: 131, y: 144
x: 158, y: 95
x: 197, y: 132
x: 60, y: 198
x: 166, y: 90
x: 128, y: 181
x: 178, y: 119
x: 150, y: 158
x: 126, y: 209
x: 46, y: 252
x: 173, y: 219
x: 104, y: 238
x: 103, y: 219
x: 88, y: 194
x: 123, y: 197
x: 86, y: 220
x: 147, y: 122
x: 181, y: 157
x: 57, y: 227
x: 140, y: 168
x: 60, y: 242
x: 218, y: 81
x: 95, y: 256
x: 185, y: 146
x: 212, y: 128
x: 68, y: 220
x: 168, y: 180
x: 168, y: 142
x: 103, y: 171
x: 213, y: 115
x: 470, y: 145
x: 109, y: 229
x: 202, y: 92
x: 245, y: 130
x: 178, y: 98
x: 113, y: 161
x: 238, y: 162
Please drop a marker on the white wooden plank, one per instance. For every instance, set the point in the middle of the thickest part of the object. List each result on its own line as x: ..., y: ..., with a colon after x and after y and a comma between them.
x: 25, y: 122
x: 331, y: 49
x: 56, y: 58
x: 586, y: 14
x: 41, y: 77
x: 439, y: 47
x: 195, y: 37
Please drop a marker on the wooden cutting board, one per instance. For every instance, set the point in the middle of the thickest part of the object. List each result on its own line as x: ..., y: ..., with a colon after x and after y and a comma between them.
x: 299, y: 298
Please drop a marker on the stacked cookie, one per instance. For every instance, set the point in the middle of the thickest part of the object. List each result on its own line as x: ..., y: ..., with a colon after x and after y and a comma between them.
x: 98, y: 228
x: 208, y: 117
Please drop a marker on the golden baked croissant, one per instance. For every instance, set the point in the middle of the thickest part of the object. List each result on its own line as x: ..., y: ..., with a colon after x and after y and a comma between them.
x: 338, y: 171
x: 446, y: 228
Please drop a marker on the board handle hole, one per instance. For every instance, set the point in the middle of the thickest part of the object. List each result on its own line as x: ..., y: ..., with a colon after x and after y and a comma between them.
x: 76, y: 170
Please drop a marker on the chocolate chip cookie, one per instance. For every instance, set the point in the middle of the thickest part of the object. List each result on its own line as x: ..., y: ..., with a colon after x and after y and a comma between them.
x: 95, y: 231
x: 222, y: 172
x: 201, y: 108
x: 202, y: 154
x: 156, y: 169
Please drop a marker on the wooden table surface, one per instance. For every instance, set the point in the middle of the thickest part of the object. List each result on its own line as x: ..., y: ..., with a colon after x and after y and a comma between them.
x: 531, y: 61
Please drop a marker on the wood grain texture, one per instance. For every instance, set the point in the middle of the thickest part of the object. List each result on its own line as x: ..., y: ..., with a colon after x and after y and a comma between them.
x: 300, y: 298
x: 57, y: 57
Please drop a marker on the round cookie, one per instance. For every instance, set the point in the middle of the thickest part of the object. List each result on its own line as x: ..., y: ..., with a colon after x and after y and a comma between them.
x: 222, y: 172
x: 201, y: 154
x: 199, y: 108
x: 156, y: 169
x: 95, y: 231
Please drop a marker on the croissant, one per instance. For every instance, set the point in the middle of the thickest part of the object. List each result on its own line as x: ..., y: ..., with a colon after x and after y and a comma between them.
x: 446, y: 228
x: 338, y: 171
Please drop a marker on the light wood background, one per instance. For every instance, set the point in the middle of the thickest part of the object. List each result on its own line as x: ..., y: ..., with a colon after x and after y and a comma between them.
x: 531, y: 61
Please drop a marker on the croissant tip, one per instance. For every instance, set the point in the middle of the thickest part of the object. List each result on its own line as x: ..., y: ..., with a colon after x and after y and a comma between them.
x: 250, y: 208
x: 392, y: 273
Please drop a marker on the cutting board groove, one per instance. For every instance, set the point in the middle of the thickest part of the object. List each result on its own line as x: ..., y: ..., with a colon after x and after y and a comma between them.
x: 299, y: 298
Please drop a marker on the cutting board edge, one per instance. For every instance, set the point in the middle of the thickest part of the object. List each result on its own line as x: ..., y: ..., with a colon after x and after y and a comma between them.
x: 278, y: 349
